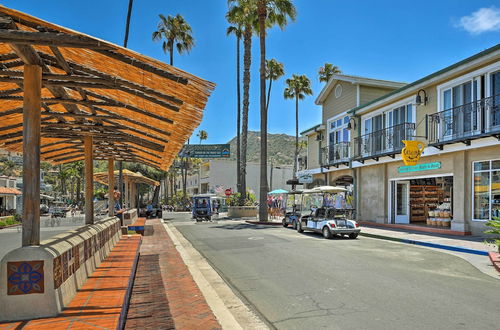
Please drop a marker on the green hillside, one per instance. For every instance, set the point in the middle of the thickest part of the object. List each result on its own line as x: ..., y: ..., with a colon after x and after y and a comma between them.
x: 281, y: 148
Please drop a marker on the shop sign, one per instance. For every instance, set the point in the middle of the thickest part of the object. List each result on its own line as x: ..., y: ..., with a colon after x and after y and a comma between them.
x: 420, y: 167
x: 205, y: 151
x: 411, y: 152
x: 306, y: 178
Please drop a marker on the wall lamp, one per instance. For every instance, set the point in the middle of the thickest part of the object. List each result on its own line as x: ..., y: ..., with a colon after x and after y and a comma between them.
x: 418, y: 99
x: 351, y: 124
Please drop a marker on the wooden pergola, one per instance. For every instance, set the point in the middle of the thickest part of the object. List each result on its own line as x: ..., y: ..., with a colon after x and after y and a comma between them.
x: 130, y: 181
x: 66, y: 96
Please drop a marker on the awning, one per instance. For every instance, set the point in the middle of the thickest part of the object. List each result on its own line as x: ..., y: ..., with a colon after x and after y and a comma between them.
x: 9, y: 191
x: 136, y: 108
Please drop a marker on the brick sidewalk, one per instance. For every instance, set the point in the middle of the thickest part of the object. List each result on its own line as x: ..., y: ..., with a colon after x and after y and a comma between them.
x: 164, y: 294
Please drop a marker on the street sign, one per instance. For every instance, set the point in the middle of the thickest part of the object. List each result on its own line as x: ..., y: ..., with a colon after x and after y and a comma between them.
x: 228, y: 192
x: 206, y: 151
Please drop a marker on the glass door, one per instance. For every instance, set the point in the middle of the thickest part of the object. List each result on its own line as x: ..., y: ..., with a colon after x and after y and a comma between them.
x: 495, y: 101
x: 402, y: 202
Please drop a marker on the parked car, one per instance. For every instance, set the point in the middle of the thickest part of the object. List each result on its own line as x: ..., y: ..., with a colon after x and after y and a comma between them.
x: 44, y: 209
x: 58, y: 210
x: 324, y: 210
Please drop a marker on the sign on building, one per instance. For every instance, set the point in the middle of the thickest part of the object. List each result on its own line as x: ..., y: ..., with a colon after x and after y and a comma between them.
x: 305, y: 178
x: 420, y: 167
x: 206, y: 151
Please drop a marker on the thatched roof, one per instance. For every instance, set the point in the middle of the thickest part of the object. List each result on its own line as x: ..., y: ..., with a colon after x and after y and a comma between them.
x: 135, y: 177
x: 135, y: 107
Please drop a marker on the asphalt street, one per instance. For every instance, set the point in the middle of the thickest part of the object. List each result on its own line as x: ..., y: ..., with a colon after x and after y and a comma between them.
x: 303, y: 281
x: 10, y: 238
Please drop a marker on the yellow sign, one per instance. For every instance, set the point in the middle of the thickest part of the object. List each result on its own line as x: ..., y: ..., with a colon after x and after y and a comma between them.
x: 411, y: 152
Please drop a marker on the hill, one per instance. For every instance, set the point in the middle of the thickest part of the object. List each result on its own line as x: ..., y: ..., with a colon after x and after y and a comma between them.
x: 281, y: 148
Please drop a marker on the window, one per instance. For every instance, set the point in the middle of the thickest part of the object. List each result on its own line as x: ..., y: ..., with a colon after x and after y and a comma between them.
x: 486, y: 189
x: 338, y: 91
x: 338, y: 130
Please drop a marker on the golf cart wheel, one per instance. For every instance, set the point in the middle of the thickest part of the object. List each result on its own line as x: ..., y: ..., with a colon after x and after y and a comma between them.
x: 285, y: 224
x: 198, y: 219
x: 294, y: 224
x: 327, y: 233
x: 299, y: 227
x: 353, y: 235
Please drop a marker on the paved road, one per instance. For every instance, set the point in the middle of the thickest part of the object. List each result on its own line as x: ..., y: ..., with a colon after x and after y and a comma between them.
x: 302, y: 281
x: 10, y: 238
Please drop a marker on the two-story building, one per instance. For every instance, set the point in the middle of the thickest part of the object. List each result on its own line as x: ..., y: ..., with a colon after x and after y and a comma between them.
x: 455, y: 114
x: 328, y: 143
x: 8, y: 194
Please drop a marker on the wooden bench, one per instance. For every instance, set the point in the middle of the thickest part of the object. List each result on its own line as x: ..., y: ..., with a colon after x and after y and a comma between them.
x: 138, y: 226
x: 103, y: 300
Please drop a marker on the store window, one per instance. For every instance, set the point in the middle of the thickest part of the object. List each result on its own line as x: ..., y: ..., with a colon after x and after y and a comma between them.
x: 338, y: 130
x: 486, y: 184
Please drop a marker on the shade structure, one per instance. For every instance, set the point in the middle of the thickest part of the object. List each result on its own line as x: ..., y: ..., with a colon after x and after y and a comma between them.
x: 136, y: 108
x: 134, y: 177
x: 277, y: 192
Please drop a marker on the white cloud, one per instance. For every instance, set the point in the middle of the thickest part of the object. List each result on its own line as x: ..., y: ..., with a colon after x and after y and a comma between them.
x: 482, y: 20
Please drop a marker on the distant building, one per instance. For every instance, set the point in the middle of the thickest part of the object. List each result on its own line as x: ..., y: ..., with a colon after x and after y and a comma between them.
x: 217, y: 175
x: 8, y: 193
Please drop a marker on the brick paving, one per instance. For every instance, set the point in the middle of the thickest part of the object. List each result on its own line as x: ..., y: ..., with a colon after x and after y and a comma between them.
x: 165, y: 295
x: 98, y: 304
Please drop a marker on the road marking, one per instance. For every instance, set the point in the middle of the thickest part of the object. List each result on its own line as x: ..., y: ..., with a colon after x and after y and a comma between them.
x: 256, y: 238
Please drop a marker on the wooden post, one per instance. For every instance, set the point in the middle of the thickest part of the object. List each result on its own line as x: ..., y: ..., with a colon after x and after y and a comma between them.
x: 111, y: 186
x: 31, y: 154
x: 89, y: 180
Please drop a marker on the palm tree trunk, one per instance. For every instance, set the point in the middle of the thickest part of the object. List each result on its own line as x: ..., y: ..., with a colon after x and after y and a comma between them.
x: 172, y: 55
x: 296, y: 136
x: 127, y: 26
x: 238, y: 118
x: 263, y: 114
x: 268, y: 94
x: 247, y: 60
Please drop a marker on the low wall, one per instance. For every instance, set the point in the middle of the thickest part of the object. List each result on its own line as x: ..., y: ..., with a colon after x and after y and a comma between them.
x: 129, y: 217
x: 39, y: 281
x: 242, y: 211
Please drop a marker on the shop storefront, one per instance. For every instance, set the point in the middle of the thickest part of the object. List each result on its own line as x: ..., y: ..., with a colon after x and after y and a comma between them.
x: 486, y: 190
x: 422, y: 201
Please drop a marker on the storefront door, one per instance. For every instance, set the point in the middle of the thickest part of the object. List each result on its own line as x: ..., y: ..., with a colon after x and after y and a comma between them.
x: 402, y: 204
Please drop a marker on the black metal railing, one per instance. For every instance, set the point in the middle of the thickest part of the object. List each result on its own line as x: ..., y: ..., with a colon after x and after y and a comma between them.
x: 337, y: 153
x: 465, y: 122
x: 387, y: 141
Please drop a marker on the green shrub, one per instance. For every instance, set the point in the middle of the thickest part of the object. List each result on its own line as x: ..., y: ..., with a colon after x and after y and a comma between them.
x: 2, y: 224
x: 495, y: 229
x: 234, y: 200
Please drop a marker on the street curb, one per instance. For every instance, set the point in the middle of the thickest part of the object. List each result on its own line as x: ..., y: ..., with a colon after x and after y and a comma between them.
x: 266, y: 223
x: 10, y: 226
x: 427, y: 244
x: 495, y: 260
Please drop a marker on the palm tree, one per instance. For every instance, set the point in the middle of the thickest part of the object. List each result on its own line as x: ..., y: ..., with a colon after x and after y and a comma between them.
x: 327, y: 71
x: 175, y: 30
x: 238, y: 32
x: 297, y: 88
x: 270, y: 12
x: 274, y: 71
x: 244, y: 13
x: 202, y: 135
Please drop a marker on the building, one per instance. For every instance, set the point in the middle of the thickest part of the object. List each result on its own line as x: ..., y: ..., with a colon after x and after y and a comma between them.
x: 217, y: 175
x: 8, y: 194
x: 455, y: 113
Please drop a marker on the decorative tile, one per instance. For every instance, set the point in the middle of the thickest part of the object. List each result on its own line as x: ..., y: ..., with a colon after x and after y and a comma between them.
x: 25, y: 277
x: 65, y: 270
x: 58, y: 275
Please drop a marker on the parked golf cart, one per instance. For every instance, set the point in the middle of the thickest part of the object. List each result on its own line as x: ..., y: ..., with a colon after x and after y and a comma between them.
x: 327, y: 210
x: 202, y: 209
x: 293, y: 208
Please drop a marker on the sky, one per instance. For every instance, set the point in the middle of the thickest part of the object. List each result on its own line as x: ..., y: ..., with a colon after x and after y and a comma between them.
x: 385, y: 39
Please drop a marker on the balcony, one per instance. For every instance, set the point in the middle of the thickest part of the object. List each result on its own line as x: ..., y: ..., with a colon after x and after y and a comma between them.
x: 336, y: 154
x: 384, y: 142
x: 465, y: 123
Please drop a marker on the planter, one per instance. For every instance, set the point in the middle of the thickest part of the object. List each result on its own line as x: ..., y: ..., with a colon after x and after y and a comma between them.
x: 242, y: 211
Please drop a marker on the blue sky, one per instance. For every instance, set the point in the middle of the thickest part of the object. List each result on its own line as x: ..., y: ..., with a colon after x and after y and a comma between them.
x: 384, y: 39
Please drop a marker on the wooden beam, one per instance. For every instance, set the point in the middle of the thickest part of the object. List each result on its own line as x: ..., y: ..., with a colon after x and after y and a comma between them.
x: 11, y: 91
x: 60, y: 39
x: 72, y: 158
x: 8, y: 57
x: 78, y: 115
x: 6, y: 128
x: 31, y: 155
x: 60, y: 149
x: 11, y: 135
x: 11, y: 112
x: 111, y: 186
x: 89, y: 180
x: 79, y: 151
x: 58, y: 142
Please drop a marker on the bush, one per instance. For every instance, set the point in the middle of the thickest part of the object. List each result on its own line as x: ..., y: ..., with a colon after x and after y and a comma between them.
x: 495, y: 225
x: 234, y: 200
x: 2, y: 224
